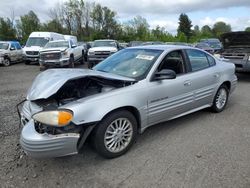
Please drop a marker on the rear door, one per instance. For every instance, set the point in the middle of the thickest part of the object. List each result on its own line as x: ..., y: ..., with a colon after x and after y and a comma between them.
x: 203, y: 76
x: 172, y: 97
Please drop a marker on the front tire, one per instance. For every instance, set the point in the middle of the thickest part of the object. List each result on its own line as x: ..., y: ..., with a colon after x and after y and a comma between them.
x: 82, y: 59
x: 220, y: 99
x: 71, y: 62
x: 6, y: 62
x: 115, y: 134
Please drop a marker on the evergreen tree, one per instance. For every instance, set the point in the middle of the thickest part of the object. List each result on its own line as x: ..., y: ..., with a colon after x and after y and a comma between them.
x: 185, y: 25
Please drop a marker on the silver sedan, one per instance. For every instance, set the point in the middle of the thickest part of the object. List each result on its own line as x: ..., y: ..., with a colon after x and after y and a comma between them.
x: 122, y: 96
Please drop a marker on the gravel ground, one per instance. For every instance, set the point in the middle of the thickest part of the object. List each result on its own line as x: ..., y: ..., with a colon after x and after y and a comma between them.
x: 199, y: 150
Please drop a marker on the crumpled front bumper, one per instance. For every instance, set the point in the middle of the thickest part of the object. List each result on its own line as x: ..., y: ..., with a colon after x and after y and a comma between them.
x: 47, y: 146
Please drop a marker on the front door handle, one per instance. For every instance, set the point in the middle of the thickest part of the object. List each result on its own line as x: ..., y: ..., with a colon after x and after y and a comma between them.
x: 187, y: 83
x: 216, y: 75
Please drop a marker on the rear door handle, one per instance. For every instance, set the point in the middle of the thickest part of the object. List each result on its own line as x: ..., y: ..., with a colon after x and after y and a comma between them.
x: 187, y: 83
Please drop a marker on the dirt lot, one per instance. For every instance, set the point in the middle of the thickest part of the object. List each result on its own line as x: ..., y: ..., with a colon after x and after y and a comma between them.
x: 200, y: 150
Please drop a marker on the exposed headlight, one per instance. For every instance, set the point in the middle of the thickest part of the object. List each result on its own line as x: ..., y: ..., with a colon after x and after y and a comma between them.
x: 57, y: 118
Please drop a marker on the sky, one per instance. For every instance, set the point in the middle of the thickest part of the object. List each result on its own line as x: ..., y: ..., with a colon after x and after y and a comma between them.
x: 157, y: 12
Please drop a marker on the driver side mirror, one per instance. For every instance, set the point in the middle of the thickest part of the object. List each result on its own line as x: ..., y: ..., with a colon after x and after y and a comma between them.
x: 165, y: 74
x: 12, y: 48
x: 73, y: 46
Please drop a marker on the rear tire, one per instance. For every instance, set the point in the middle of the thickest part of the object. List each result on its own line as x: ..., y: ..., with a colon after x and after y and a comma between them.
x: 82, y: 59
x: 115, y: 134
x: 220, y: 99
x: 27, y: 62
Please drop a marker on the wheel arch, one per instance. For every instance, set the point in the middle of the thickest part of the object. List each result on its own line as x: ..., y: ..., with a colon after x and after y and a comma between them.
x: 227, y: 84
x: 6, y: 57
x: 133, y: 110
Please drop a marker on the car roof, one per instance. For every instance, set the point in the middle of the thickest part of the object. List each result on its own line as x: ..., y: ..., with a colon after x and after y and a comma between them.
x: 105, y: 40
x: 163, y: 47
x: 58, y: 41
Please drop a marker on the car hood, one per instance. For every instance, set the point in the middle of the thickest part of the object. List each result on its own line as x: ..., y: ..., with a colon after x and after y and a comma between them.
x: 3, y: 51
x: 50, y: 81
x: 62, y: 49
x: 103, y: 48
x: 236, y: 39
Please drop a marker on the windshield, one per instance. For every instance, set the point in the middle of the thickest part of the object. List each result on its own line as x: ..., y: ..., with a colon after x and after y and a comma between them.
x: 104, y: 43
x: 57, y: 44
x: 37, y: 41
x: 132, y: 63
x: 4, y: 46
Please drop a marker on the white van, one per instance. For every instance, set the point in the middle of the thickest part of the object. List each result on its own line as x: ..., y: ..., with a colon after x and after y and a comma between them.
x: 71, y: 37
x: 35, y: 42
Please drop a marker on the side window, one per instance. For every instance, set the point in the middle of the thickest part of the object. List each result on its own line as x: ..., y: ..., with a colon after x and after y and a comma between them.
x: 71, y: 43
x: 12, y: 46
x: 198, y: 59
x: 211, y: 60
x: 18, y: 46
x: 173, y: 61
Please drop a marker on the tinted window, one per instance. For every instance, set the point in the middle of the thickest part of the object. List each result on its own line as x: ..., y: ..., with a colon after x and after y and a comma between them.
x: 12, y: 46
x: 198, y: 59
x: 18, y: 46
x: 211, y: 60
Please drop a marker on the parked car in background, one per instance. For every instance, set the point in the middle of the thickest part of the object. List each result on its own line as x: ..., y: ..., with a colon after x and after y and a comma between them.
x: 123, y: 45
x: 123, y: 95
x: 237, y: 49
x: 61, y: 53
x: 178, y: 43
x: 85, y: 48
x: 152, y: 43
x: 72, y: 38
x: 10, y: 52
x: 134, y: 43
x: 35, y: 42
x: 213, y: 43
x: 204, y: 46
x: 100, y: 50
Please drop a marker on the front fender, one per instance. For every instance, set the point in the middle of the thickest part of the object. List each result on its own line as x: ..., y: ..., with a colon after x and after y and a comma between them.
x: 94, y: 110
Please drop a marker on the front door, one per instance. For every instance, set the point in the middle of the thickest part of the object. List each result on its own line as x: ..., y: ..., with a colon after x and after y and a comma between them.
x: 170, y: 98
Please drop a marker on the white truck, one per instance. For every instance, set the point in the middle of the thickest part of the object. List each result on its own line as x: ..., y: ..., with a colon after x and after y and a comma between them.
x: 100, y: 50
x: 35, y: 42
x: 61, y: 53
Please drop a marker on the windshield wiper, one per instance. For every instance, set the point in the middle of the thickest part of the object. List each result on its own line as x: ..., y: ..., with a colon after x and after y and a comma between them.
x: 101, y: 70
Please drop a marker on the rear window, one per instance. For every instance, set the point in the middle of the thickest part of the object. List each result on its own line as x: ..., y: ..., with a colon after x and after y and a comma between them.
x: 211, y: 60
x: 198, y: 59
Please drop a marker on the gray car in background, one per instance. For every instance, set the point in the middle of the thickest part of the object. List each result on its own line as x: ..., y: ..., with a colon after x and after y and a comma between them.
x: 237, y: 49
x: 10, y: 52
x: 125, y: 94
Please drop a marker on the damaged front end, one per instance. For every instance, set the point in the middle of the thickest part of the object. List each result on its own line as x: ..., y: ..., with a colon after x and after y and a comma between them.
x: 50, y: 128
